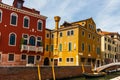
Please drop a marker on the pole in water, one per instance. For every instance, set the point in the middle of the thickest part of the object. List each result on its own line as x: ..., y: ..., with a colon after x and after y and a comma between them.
x: 83, y: 68
x: 53, y: 70
x: 39, y: 76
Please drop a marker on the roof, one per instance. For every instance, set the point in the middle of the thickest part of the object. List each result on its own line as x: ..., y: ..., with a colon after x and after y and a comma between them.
x: 107, y: 33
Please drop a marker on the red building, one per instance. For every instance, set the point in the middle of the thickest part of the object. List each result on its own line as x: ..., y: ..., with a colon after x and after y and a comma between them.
x: 22, y: 33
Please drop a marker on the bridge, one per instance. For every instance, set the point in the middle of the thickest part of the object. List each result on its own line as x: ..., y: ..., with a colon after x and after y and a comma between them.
x: 111, y: 65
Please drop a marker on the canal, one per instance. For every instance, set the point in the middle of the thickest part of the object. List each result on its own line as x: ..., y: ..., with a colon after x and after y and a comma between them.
x: 107, y: 77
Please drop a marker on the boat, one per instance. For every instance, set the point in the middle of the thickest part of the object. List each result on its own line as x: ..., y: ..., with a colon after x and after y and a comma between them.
x: 94, y: 74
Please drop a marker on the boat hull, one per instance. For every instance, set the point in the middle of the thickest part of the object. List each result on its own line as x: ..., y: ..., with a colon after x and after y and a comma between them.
x: 94, y: 75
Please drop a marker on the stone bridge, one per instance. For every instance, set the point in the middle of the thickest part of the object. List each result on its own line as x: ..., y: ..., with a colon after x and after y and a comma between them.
x: 108, y: 66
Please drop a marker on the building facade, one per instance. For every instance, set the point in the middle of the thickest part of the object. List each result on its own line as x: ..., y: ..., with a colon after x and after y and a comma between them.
x: 75, y: 43
x: 22, y: 33
x: 109, y: 46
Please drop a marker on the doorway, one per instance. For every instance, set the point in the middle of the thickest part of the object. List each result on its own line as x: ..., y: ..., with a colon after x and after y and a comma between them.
x: 46, y: 61
x: 31, y: 59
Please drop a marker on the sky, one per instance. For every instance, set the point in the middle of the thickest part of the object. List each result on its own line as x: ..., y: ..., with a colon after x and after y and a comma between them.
x: 105, y: 13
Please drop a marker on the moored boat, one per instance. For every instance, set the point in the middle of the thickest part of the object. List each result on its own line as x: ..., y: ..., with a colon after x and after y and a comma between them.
x: 94, y: 75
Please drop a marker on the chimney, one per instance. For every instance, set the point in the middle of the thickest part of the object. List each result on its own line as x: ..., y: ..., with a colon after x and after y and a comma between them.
x: 18, y: 3
x: 57, y: 19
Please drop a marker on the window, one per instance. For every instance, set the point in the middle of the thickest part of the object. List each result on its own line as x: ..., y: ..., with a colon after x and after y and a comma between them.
x: 38, y: 57
x: 72, y: 32
x: 47, y: 35
x: 60, y: 34
x: 105, y: 46
x: 39, y: 25
x: 13, y: 19
x: 88, y: 48
x: 105, y: 39
x: 32, y: 41
x: 67, y: 60
x: 0, y: 57
x: 26, y: 22
x: 109, y: 47
x: 52, y: 47
x: 69, y: 46
x: 25, y: 39
x: 98, y: 50
x: 60, y: 59
x: 39, y: 41
x: 89, y: 36
x: 23, y: 57
x: 0, y: 16
x: 82, y: 46
x: 12, y: 39
x: 52, y: 35
x: 68, y: 33
x: 47, y: 47
x: 83, y: 33
x: 11, y: 57
x: 60, y: 47
x: 71, y: 59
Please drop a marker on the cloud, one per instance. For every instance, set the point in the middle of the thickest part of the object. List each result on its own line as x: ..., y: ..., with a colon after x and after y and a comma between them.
x: 108, y: 17
x: 106, y: 13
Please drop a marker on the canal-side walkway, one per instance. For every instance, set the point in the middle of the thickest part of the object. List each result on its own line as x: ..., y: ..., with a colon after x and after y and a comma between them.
x: 116, y: 78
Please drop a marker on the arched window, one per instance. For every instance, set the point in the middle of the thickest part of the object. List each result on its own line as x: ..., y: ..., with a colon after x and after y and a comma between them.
x: 32, y: 41
x: 13, y: 19
x: 12, y: 39
x: 39, y: 25
x: 0, y: 16
x: 26, y: 22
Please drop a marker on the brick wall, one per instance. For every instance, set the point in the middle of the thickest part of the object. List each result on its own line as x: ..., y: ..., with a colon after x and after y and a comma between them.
x: 30, y: 73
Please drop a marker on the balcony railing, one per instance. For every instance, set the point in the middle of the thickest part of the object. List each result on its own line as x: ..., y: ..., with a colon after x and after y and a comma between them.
x: 39, y: 49
x: 29, y: 48
x: 24, y: 47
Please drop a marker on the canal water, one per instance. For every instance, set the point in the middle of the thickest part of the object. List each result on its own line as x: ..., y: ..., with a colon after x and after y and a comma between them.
x: 107, y: 77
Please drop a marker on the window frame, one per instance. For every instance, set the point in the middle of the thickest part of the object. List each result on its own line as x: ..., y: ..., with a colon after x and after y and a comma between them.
x: 0, y: 56
x: 60, y: 34
x: 72, y: 32
x: 41, y: 25
x: 39, y: 41
x: 60, y: 47
x: 39, y: 58
x: 83, y: 47
x: 9, y: 57
x: 47, y: 47
x: 25, y: 38
x: 13, y: 14
x: 26, y: 17
x: 70, y: 47
x: 60, y: 60
x: 48, y: 35
x: 25, y: 58
x: 1, y: 15
x: 15, y: 39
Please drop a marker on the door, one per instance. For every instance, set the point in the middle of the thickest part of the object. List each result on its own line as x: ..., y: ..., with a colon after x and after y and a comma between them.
x: 31, y: 59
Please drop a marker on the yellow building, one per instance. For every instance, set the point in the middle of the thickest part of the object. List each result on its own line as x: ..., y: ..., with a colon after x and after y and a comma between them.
x: 75, y: 43
x: 47, y: 50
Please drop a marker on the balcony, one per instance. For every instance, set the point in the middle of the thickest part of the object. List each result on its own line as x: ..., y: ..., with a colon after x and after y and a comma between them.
x: 30, y: 48
x: 24, y: 48
x: 39, y: 49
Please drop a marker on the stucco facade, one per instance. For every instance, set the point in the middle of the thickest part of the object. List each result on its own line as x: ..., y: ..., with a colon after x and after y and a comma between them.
x: 22, y: 33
